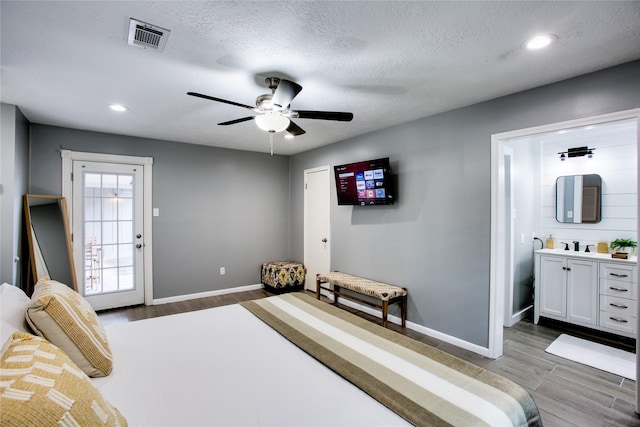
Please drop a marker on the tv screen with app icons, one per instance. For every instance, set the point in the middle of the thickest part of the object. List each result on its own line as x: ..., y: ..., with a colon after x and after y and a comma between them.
x: 365, y: 183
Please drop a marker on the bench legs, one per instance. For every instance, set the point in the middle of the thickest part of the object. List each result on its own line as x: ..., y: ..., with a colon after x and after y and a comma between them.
x: 384, y: 306
x: 385, y: 311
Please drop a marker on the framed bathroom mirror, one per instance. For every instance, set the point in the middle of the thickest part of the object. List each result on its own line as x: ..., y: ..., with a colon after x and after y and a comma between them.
x: 50, y: 252
x: 578, y: 199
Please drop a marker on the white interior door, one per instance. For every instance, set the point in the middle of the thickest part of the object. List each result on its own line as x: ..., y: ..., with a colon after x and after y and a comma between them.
x: 108, y: 238
x: 317, y: 208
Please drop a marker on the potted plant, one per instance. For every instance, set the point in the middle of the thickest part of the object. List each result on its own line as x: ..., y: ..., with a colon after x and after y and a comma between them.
x: 620, y: 246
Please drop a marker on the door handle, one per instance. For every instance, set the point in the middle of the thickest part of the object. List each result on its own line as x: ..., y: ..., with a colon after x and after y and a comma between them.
x: 325, y: 240
x: 138, y: 236
x: 138, y: 246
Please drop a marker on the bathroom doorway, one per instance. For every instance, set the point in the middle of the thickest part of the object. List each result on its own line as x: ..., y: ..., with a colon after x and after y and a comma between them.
x: 533, y: 142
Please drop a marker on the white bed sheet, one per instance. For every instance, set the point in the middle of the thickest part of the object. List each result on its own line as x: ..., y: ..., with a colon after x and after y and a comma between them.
x: 223, y: 366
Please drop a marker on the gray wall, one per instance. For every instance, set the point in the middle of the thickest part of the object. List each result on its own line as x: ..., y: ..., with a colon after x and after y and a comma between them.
x: 218, y: 207
x: 436, y: 239
x: 14, y: 181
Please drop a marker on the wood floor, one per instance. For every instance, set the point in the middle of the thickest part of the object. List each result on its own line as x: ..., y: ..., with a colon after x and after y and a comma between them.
x: 567, y: 393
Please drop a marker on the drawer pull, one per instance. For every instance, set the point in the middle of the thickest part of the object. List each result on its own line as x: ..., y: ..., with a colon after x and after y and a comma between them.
x: 618, y: 305
x: 615, y: 319
x: 618, y: 289
x: 619, y: 275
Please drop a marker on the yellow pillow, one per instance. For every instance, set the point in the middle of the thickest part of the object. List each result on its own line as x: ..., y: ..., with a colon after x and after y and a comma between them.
x: 41, y: 386
x: 64, y: 318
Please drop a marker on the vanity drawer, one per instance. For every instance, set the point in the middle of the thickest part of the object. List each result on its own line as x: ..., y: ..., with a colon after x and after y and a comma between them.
x: 615, y: 305
x: 625, y: 273
x: 618, y: 322
x: 618, y: 288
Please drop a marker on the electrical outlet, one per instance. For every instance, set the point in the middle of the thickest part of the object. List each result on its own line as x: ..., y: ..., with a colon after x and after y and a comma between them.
x: 222, y: 271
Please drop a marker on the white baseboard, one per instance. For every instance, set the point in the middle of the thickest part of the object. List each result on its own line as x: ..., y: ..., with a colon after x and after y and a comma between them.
x: 188, y: 297
x: 482, y: 351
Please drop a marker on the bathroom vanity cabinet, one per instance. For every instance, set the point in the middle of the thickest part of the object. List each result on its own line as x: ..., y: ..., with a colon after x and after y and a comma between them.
x: 586, y: 289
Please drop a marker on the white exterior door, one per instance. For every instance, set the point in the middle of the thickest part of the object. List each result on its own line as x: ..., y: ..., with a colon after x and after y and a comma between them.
x: 317, y: 239
x: 108, y: 233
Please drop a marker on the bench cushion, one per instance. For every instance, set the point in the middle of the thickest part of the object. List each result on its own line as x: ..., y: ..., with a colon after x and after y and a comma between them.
x: 372, y: 288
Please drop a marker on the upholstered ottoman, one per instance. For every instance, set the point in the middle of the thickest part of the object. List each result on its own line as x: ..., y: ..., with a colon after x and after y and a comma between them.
x: 283, y: 276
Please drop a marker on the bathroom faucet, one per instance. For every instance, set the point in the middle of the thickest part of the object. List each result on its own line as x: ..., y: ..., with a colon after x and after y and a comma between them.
x: 576, y: 246
x: 587, y: 250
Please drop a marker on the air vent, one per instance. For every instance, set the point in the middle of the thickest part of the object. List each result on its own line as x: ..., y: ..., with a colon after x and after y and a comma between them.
x: 147, y: 36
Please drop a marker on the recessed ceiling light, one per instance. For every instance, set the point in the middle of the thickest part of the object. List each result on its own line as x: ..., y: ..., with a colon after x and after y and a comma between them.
x: 118, y: 107
x: 540, y: 42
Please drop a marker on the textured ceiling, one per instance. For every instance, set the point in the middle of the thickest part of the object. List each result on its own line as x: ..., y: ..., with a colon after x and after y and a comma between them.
x: 387, y: 62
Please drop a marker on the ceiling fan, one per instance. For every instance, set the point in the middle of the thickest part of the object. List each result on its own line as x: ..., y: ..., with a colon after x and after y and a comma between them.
x: 273, y: 113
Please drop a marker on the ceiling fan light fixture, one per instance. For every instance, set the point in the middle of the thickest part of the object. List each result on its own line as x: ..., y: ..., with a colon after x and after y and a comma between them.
x: 271, y: 122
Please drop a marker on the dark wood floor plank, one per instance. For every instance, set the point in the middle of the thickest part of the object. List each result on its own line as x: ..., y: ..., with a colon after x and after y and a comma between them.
x: 567, y: 393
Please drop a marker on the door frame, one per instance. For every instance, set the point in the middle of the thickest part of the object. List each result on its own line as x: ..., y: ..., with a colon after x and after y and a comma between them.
x: 306, y: 213
x: 497, y: 283
x: 68, y: 157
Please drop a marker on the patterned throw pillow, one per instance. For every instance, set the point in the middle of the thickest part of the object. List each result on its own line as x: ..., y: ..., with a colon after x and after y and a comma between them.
x: 64, y: 318
x: 40, y: 385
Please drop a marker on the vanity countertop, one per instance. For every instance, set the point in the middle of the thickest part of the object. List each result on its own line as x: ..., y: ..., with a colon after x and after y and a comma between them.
x: 588, y: 255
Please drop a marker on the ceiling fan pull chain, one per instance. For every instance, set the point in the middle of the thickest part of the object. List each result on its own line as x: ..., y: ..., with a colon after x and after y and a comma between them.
x: 271, y: 141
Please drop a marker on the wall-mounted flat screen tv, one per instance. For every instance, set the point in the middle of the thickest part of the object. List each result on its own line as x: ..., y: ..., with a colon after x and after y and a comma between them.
x: 365, y: 183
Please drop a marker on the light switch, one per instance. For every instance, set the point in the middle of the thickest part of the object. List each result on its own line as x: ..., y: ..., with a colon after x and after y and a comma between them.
x: 156, y: 212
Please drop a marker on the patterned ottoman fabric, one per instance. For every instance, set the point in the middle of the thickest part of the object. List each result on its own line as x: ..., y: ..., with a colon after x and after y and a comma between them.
x: 283, y: 274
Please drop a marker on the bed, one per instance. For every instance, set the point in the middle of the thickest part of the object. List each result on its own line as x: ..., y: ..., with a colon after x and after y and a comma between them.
x: 290, y: 360
x: 229, y: 366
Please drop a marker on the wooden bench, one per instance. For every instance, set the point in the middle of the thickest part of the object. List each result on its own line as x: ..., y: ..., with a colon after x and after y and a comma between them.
x: 387, y: 294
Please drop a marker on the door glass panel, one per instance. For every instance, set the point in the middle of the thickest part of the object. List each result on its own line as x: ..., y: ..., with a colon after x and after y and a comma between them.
x: 108, y: 227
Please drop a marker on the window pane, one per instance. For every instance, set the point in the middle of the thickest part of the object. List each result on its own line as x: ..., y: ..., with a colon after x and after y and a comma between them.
x: 109, y: 185
x: 125, y: 186
x: 125, y: 232
x: 109, y: 232
x: 92, y: 184
x: 110, y: 209
x: 125, y: 209
x: 109, y: 256
x: 92, y: 233
x: 92, y: 209
x: 126, y: 278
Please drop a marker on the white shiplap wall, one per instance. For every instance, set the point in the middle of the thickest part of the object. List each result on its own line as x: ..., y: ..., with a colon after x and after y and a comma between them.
x: 614, y: 159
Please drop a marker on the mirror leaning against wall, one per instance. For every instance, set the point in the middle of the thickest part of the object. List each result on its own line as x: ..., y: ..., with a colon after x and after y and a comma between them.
x: 578, y: 199
x: 50, y: 252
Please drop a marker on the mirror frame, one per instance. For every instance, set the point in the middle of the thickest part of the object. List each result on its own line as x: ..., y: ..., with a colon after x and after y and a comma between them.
x: 35, y: 269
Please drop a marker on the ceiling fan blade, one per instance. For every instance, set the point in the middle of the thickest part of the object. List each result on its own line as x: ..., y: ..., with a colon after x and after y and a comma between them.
x: 324, y: 115
x: 285, y: 92
x: 232, y: 122
x: 212, y: 98
x: 294, y: 129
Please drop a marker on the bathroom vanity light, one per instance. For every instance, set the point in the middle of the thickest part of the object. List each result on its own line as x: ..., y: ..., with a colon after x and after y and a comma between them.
x: 576, y: 152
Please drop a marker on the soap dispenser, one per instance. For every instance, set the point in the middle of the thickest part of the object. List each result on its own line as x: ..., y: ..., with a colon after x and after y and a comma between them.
x: 551, y: 244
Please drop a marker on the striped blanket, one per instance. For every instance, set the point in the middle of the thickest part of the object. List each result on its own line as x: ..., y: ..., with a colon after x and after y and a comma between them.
x: 422, y: 384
